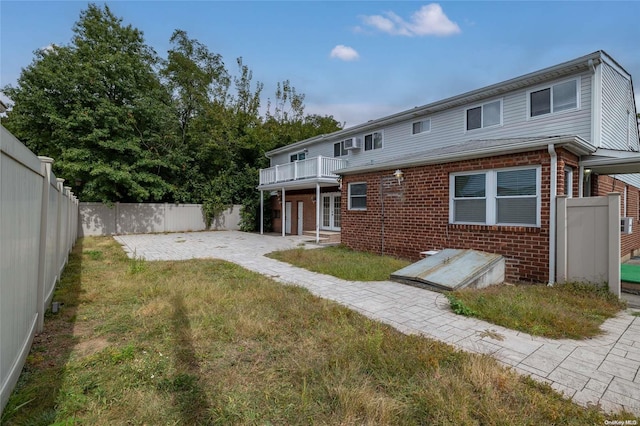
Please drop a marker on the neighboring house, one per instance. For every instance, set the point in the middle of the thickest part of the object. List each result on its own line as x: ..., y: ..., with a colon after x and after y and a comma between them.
x: 479, y: 170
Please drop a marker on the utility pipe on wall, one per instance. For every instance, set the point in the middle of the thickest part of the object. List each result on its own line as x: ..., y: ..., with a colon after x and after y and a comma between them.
x: 553, y: 191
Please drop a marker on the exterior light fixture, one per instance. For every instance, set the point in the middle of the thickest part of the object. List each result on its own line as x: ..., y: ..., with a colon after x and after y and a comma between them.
x: 399, y: 175
x: 339, y: 182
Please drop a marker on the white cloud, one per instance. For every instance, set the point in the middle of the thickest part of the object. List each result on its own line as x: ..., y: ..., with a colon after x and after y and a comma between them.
x: 428, y: 20
x: 345, y: 53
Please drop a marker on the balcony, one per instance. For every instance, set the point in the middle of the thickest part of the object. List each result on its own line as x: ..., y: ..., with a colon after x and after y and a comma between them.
x: 310, y: 168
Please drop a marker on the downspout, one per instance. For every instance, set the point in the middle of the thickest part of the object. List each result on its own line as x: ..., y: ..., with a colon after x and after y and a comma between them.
x: 553, y: 191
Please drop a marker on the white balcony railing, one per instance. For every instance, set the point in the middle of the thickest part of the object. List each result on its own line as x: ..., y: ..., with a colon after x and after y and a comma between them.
x: 317, y: 167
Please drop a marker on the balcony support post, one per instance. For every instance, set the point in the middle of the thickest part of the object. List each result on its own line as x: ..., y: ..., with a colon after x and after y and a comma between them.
x: 284, y: 212
x: 319, y: 166
x: 318, y: 202
x: 261, y: 213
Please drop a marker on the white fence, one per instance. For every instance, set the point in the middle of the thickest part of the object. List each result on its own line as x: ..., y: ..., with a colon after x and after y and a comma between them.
x: 38, y: 228
x: 144, y: 218
x: 588, y: 240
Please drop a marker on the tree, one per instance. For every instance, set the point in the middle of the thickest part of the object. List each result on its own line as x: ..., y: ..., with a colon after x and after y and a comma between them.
x: 98, y: 107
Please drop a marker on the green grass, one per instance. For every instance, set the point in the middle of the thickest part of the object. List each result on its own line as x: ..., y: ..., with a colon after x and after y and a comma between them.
x: 207, y: 342
x: 342, y: 262
x: 572, y: 310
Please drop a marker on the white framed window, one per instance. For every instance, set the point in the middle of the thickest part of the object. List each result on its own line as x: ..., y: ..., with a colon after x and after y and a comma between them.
x: 496, y: 197
x: 422, y: 126
x: 338, y: 149
x: 488, y: 114
x: 358, y: 196
x: 562, y: 96
x: 373, y: 141
x: 298, y: 156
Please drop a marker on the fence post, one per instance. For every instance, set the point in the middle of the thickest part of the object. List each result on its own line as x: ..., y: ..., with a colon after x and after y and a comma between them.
x: 45, y: 168
x: 614, y: 243
x: 67, y: 237
x: 561, y: 238
x: 59, y: 266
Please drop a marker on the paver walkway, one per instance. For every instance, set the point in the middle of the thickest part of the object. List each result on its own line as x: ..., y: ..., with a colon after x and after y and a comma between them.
x: 602, y: 370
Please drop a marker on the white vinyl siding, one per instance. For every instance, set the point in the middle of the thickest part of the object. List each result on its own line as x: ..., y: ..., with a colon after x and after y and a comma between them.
x: 400, y: 142
x: 358, y: 196
x: 496, y: 197
x: 619, y: 129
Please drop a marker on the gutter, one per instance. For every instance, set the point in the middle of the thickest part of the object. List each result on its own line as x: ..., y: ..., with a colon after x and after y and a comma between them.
x: 553, y: 191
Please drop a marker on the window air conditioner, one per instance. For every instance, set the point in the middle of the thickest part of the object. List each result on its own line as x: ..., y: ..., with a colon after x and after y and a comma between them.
x: 626, y: 225
x: 352, y: 143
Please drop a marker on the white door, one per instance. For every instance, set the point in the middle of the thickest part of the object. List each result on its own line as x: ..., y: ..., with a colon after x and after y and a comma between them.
x: 287, y: 217
x: 331, y: 211
x: 300, y: 217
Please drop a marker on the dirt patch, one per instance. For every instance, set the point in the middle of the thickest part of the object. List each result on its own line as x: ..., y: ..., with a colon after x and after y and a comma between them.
x: 91, y: 346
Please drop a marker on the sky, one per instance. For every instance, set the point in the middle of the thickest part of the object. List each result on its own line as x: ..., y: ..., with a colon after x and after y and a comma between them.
x: 355, y: 60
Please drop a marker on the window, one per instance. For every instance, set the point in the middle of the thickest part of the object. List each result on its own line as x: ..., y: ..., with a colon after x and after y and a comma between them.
x: 496, y: 197
x: 357, y: 196
x: 373, y: 141
x: 338, y: 149
x: 422, y: 126
x: 485, y: 115
x: 559, y: 97
x: 298, y: 156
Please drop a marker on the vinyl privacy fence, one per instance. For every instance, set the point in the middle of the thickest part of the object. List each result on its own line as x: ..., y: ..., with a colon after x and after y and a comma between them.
x: 38, y: 228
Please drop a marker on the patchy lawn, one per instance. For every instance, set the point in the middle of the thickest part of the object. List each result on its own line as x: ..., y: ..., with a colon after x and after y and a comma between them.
x: 572, y: 311
x: 342, y: 262
x: 208, y: 342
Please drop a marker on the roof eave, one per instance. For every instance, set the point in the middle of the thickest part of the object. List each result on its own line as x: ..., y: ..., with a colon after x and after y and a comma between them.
x: 575, y: 144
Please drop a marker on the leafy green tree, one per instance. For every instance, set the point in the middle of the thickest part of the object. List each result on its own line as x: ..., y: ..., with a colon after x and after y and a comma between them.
x: 98, y: 107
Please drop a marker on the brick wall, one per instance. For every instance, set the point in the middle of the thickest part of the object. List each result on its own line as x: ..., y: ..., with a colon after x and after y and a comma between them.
x: 416, y: 215
x: 602, y: 185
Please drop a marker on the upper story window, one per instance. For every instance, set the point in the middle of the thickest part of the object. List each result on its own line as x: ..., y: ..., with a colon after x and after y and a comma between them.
x: 558, y: 97
x: 422, y: 126
x: 373, y: 141
x: 298, y: 156
x: 496, y: 197
x: 358, y: 196
x: 485, y: 115
x: 338, y: 149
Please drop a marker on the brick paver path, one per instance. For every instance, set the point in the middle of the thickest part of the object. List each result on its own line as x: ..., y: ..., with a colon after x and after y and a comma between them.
x: 602, y: 370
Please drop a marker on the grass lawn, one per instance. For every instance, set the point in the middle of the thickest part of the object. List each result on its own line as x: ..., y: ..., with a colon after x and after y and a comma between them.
x: 572, y: 311
x: 208, y: 342
x: 342, y: 262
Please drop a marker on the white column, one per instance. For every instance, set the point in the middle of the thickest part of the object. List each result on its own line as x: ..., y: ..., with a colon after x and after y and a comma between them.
x: 284, y: 211
x: 261, y: 213
x: 318, y: 201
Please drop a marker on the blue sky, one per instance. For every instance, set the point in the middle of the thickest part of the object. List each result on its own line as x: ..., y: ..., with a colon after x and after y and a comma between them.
x: 355, y: 60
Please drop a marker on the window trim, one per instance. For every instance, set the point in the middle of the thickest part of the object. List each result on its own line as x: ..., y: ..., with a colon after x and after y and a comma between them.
x: 297, y: 154
x: 421, y: 126
x: 491, y: 196
x: 343, y: 152
x: 481, y: 106
x: 568, y: 181
x: 360, y: 196
x: 578, y: 81
x: 364, y: 142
